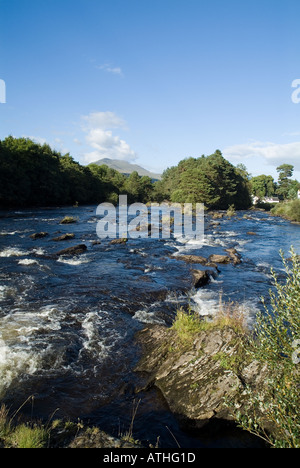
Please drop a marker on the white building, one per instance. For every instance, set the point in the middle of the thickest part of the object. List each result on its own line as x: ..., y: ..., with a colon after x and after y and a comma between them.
x: 299, y: 194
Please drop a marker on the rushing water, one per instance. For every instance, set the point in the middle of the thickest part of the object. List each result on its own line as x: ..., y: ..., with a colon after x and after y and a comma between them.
x: 68, y: 324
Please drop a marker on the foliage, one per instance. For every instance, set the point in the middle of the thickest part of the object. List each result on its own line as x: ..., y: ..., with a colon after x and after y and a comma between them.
x: 284, y: 180
x: 273, y: 346
x: 35, y: 175
x: 289, y: 210
x: 211, y: 180
x: 263, y: 186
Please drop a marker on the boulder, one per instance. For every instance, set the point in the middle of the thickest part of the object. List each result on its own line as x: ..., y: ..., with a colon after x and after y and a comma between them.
x: 219, y: 259
x: 64, y: 237
x: 200, y: 278
x: 39, y: 235
x: 76, y: 250
x: 234, y: 255
x: 119, y: 241
x: 196, y: 377
x: 192, y: 259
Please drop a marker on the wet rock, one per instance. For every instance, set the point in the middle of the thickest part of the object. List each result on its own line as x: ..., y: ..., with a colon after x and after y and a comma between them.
x: 64, y: 237
x: 39, y: 235
x: 192, y: 259
x: 76, y: 250
x: 250, y: 233
x: 118, y: 241
x: 68, y: 220
x: 219, y: 259
x: 234, y: 255
x: 200, y: 278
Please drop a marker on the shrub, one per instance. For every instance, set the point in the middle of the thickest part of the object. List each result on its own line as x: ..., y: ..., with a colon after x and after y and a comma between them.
x: 289, y: 210
x: 276, y: 336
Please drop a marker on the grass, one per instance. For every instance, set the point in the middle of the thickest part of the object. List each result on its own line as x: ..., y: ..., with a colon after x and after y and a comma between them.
x: 289, y: 210
x: 29, y: 435
x: 188, y: 324
x: 25, y: 436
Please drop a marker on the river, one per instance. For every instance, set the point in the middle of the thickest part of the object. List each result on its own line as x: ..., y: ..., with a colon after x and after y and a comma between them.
x: 68, y: 324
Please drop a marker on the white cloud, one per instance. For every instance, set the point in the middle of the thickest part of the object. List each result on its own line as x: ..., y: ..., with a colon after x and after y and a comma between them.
x: 272, y: 153
x: 110, y: 69
x: 36, y: 139
x: 97, y: 127
x: 103, y: 120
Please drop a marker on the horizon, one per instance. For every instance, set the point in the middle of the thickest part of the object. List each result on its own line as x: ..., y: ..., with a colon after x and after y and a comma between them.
x: 153, y: 83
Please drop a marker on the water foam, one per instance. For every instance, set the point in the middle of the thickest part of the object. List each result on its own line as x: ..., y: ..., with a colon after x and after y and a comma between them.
x: 22, y: 343
x: 28, y: 262
x: 73, y: 261
x: 12, y: 252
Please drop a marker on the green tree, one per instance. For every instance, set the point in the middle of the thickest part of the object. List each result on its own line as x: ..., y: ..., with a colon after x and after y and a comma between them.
x: 284, y: 179
x: 263, y: 186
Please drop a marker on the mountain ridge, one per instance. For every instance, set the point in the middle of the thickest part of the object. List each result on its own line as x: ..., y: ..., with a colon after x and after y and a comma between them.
x: 127, y: 168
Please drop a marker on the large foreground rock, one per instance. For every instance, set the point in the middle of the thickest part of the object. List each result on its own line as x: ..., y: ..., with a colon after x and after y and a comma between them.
x: 195, y: 378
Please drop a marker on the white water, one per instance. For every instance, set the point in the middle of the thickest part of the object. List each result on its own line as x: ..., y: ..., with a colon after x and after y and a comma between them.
x: 22, y: 347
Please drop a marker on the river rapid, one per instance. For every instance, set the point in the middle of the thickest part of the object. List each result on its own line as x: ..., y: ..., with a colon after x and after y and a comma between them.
x: 68, y: 323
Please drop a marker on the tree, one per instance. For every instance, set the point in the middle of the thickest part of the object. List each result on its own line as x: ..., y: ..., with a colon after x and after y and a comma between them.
x: 263, y: 186
x: 284, y: 183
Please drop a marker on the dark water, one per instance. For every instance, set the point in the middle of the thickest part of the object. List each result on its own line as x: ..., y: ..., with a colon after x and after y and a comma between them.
x: 68, y: 324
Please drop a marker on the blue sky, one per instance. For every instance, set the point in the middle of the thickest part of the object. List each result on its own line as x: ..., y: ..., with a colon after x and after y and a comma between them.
x: 154, y: 81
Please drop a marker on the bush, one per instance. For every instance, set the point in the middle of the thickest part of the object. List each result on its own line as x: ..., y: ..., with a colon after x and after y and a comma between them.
x: 289, y: 210
x: 274, y: 344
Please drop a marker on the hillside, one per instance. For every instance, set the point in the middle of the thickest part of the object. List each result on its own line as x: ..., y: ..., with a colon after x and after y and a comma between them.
x: 127, y: 168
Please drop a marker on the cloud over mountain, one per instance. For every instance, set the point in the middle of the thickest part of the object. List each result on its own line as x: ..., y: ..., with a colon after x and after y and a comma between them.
x: 98, y: 127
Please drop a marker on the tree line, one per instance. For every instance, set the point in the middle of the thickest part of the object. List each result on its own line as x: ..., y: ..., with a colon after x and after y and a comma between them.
x: 285, y: 189
x: 32, y: 174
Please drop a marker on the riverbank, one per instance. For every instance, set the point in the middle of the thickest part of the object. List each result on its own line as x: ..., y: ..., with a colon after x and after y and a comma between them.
x: 288, y: 210
x: 215, y: 370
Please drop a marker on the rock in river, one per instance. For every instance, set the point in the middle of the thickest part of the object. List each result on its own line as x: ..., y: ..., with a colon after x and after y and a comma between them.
x: 39, y: 235
x: 64, y: 237
x: 200, y: 278
x: 76, y: 250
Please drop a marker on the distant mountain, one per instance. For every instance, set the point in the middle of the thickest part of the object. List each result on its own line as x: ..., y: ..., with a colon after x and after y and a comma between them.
x: 127, y: 168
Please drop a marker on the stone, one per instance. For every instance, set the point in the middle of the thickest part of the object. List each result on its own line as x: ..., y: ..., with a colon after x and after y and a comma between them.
x: 196, y: 377
x: 200, y: 278
x: 119, y: 241
x: 64, y: 237
x: 192, y: 259
x: 76, y: 250
x: 39, y: 235
x: 219, y: 259
x: 234, y: 255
